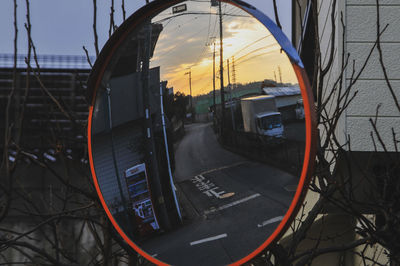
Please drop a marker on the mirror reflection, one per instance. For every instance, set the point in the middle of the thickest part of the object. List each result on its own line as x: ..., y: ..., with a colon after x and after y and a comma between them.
x: 198, y: 134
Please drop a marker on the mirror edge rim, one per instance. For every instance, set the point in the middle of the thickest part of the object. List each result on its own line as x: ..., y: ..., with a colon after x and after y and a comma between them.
x: 103, y: 60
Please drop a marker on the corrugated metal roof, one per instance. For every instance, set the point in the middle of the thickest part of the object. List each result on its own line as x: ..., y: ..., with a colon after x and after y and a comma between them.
x: 258, y: 98
x: 282, y: 91
x: 267, y: 113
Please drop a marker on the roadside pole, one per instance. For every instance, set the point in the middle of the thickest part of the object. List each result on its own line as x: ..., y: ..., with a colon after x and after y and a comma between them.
x: 230, y: 97
x: 156, y: 189
x: 221, y: 71
x: 173, y: 188
x: 117, y: 175
x: 214, y: 84
x: 190, y: 87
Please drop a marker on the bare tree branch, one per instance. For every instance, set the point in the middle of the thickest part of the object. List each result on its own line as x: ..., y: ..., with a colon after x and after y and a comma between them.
x: 112, y: 25
x: 123, y: 10
x: 278, y: 23
x: 396, y: 101
x: 96, y: 41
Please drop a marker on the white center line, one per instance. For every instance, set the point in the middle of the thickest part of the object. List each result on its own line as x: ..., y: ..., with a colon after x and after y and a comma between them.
x: 232, y: 204
x: 222, y: 168
x: 208, y: 239
x: 270, y: 221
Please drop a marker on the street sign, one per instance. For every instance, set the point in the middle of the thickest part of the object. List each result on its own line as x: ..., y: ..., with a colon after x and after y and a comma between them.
x: 179, y: 9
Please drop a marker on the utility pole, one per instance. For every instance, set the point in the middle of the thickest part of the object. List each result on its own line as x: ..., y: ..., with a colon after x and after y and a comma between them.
x: 229, y: 81
x: 214, y: 78
x: 209, y: 44
x: 124, y: 204
x: 230, y: 97
x: 190, y: 87
x: 221, y: 63
x: 280, y: 74
x: 150, y: 155
x: 171, y: 181
x: 233, y: 73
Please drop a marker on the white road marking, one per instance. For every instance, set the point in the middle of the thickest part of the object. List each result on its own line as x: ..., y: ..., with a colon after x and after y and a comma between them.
x: 216, y: 194
x: 222, y: 168
x: 206, y: 186
x: 270, y: 221
x: 154, y: 255
x: 208, y: 239
x: 232, y: 203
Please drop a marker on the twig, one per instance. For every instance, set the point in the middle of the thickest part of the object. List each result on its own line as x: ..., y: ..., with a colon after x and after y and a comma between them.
x: 278, y: 23
x: 111, y: 28
x: 311, y: 254
x: 396, y: 101
x: 96, y: 41
x: 87, y: 56
x: 69, y: 116
x: 123, y: 10
x: 7, y: 128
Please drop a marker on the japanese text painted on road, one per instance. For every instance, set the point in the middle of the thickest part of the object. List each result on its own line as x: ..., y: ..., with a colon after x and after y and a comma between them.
x: 207, y: 187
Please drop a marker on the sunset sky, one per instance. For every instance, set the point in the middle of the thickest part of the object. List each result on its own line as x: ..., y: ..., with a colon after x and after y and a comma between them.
x: 186, y: 43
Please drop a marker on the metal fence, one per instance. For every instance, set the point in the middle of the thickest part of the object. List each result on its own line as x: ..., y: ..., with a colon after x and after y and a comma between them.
x: 288, y: 155
x: 48, y: 61
x: 54, y: 110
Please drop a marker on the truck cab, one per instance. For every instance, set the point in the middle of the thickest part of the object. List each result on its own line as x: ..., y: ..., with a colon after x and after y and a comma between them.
x: 270, y: 124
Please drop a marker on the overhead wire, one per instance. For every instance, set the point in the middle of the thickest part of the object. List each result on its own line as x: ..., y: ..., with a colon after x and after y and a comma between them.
x: 238, y: 61
x: 198, y: 13
x: 250, y: 44
x: 204, y: 47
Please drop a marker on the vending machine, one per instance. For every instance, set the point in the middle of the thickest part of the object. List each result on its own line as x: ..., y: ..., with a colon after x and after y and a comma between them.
x: 140, y: 199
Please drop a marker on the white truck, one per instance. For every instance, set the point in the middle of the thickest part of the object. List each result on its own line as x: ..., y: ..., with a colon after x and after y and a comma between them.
x: 261, y: 116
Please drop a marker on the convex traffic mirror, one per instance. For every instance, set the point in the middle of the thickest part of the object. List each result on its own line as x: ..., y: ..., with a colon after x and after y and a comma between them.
x: 200, y: 132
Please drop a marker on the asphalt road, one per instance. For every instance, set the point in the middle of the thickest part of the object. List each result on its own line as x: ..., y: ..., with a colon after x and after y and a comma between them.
x: 230, y: 203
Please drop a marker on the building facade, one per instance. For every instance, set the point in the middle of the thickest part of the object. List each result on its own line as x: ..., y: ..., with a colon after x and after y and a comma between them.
x: 369, y: 124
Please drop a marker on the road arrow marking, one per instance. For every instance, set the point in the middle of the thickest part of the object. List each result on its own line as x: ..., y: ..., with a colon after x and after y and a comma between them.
x: 270, y: 221
x: 208, y: 239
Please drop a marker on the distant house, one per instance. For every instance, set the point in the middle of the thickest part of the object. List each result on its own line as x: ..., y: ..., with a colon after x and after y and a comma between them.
x: 286, y: 99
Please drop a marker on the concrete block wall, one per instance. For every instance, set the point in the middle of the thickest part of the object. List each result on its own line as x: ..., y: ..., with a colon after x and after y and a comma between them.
x: 360, y: 31
x: 360, y: 37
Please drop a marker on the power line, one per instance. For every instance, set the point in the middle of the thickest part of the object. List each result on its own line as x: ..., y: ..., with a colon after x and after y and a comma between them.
x: 256, y: 50
x: 252, y: 43
x: 200, y: 13
x: 257, y: 55
x: 204, y: 48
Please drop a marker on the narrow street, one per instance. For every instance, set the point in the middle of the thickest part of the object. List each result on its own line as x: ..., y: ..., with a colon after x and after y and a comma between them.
x: 230, y: 204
